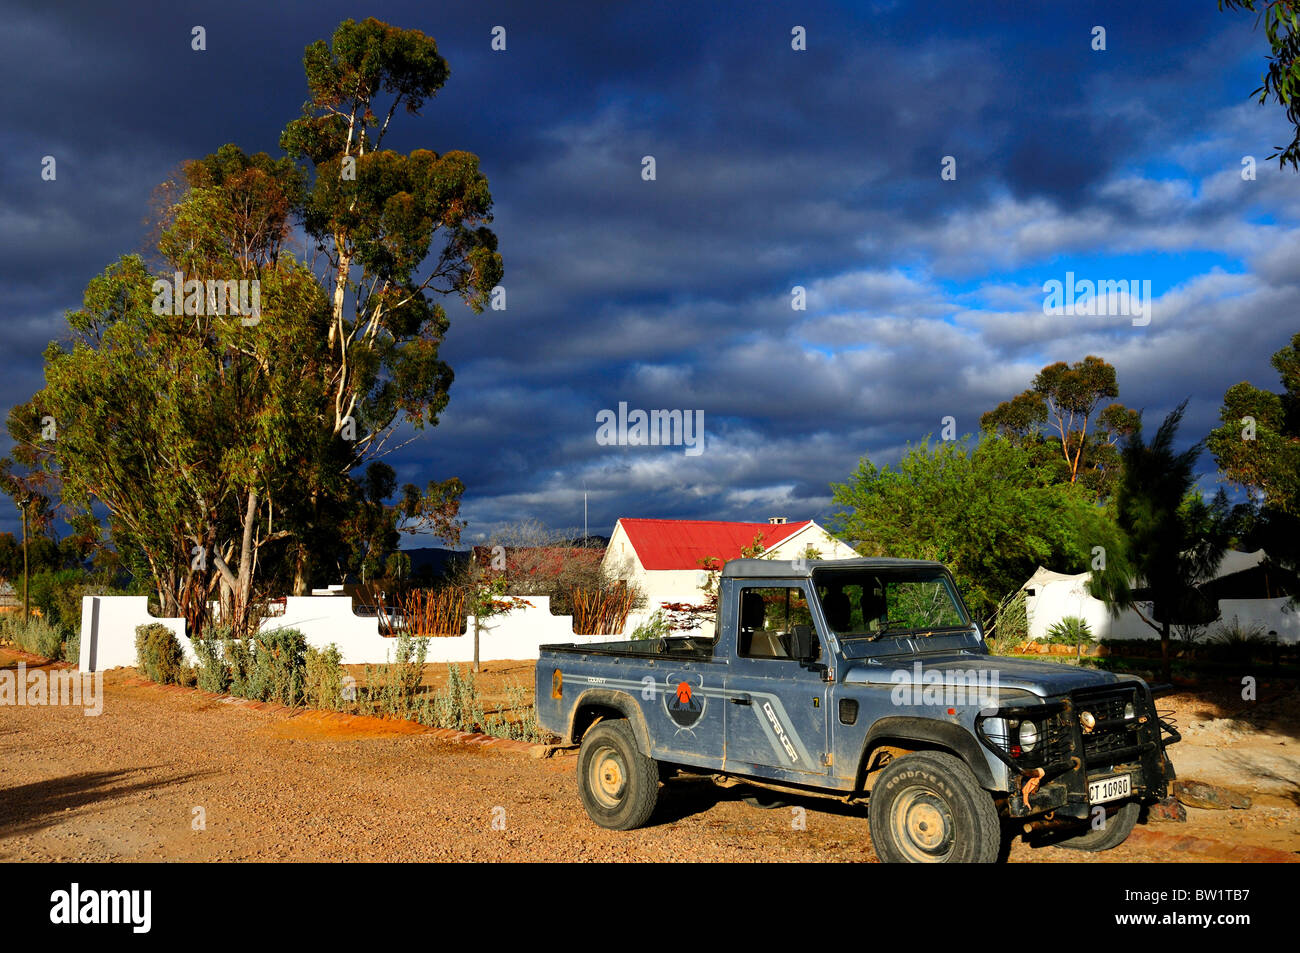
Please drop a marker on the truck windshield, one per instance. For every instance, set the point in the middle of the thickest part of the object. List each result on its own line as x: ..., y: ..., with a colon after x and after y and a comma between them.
x: 873, y: 604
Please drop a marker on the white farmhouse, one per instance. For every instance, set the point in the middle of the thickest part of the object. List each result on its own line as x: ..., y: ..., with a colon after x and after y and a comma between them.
x: 664, y: 558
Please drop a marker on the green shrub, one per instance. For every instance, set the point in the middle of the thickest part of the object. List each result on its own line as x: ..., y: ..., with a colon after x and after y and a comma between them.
x: 1189, y: 634
x: 213, y: 669
x: 1234, y: 642
x: 655, y: 627
x: 323, y: 678
x: 38, y: 636
x: 519, y: 720
x: 408, y: 664
x: 1070, y: 630
x: 456, y: 705
x: 279, y: 666
x: 159, y: 655
x: 391, y: 690
x: 239, y: 659
x: 57, y: 593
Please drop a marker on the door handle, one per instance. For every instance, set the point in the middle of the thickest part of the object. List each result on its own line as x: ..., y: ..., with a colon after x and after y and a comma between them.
x: 741, y: 700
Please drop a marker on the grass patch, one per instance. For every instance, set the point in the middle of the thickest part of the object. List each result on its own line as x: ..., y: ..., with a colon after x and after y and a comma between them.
x: 1009, y: 626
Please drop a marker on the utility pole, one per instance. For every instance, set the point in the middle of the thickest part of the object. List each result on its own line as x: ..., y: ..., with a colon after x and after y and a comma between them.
x: 478, y: 604
x: 23, y: 504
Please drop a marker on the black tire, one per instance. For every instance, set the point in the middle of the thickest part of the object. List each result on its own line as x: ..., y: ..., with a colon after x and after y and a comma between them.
x: 767, y: 800
x: 619, y: 785
x: 928, y: 807
x: 1118, y: 826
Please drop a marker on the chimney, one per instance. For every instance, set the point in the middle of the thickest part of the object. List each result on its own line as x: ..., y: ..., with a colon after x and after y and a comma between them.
x: 776, y: 520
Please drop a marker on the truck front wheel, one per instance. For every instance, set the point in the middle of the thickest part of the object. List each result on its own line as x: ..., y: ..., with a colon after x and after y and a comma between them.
x: 618, y: 784
x: 1114, y: 832
x: 928, y: 808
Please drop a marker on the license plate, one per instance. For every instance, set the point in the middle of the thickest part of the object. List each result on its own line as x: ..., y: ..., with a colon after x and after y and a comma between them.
x: 1110, y: 789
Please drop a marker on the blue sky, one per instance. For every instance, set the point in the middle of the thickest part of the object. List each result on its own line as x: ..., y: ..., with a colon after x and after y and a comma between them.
x: 775, y: 168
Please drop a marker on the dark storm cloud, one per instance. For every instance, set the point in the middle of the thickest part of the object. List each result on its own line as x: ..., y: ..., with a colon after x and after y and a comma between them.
x: 775, y: 169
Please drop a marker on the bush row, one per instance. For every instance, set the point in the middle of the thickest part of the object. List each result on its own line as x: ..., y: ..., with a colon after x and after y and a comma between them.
x: 53, y: 630
x: 279, y: 666
x: 40, y: 636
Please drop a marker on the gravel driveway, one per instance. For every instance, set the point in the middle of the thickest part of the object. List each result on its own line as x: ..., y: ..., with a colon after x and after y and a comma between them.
x: 177, y: 775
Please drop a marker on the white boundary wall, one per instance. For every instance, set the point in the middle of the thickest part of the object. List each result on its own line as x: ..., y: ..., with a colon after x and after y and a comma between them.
x: 108, y: 626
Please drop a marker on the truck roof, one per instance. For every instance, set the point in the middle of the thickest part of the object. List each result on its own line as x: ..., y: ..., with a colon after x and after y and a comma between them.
x: 803, y: 568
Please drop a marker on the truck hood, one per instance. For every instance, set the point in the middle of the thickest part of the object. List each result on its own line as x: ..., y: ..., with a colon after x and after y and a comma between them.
x: 995, y: 672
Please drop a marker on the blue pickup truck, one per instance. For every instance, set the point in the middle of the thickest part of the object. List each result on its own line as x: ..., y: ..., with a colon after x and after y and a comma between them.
x: 865, y: 680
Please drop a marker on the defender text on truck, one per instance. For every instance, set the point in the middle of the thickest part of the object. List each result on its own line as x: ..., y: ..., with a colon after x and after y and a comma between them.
x: 865, y: 680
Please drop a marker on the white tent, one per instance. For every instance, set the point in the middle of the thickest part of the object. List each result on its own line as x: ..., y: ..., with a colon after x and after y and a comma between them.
x: 1051, y: 596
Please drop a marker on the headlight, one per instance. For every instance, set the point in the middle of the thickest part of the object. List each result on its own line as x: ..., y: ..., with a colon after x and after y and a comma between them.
x: 1028, y: 736
x: 1128, y: 711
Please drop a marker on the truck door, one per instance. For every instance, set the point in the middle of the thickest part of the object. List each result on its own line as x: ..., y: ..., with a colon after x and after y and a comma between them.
x: 776, y: 706
x: 686, y: 711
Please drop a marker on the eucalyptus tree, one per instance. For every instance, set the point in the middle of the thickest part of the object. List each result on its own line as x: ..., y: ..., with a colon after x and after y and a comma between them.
x: 1063, y: 420
x: 398, y: 232
x: 1280, y: 84
x: 218, y: 439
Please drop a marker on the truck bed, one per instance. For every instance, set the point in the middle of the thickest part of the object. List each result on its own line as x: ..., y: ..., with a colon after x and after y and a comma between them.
x: 672, y: 647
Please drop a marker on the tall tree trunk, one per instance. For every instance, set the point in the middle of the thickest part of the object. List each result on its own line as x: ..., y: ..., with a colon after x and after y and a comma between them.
x: 303, y: 564
x: 244, y: 591
x: 301, y: 569
x: 227, y: 602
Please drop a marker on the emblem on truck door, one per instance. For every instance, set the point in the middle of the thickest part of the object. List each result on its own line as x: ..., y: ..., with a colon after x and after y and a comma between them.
x: 683, y: 699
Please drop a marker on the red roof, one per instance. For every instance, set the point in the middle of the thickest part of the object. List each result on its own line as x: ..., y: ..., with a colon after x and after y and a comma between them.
x: 681, y: 544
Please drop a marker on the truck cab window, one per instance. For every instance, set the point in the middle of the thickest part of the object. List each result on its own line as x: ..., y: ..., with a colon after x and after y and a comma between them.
x: 767, y: 617
x: 869, y: 604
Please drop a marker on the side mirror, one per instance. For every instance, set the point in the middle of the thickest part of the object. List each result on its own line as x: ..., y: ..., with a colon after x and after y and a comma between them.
x: 803, y: 646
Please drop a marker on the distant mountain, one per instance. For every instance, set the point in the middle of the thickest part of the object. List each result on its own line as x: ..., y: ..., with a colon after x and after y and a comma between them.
x: 434, y: 561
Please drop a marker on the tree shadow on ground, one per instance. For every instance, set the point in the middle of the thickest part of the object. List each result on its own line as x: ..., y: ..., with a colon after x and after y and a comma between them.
x: 27, y: 808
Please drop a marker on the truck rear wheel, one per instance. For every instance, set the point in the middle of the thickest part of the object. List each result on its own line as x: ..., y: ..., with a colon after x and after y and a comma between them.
x: 928, y: 808
x: 1115, y: 831
x: 618, y: 784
